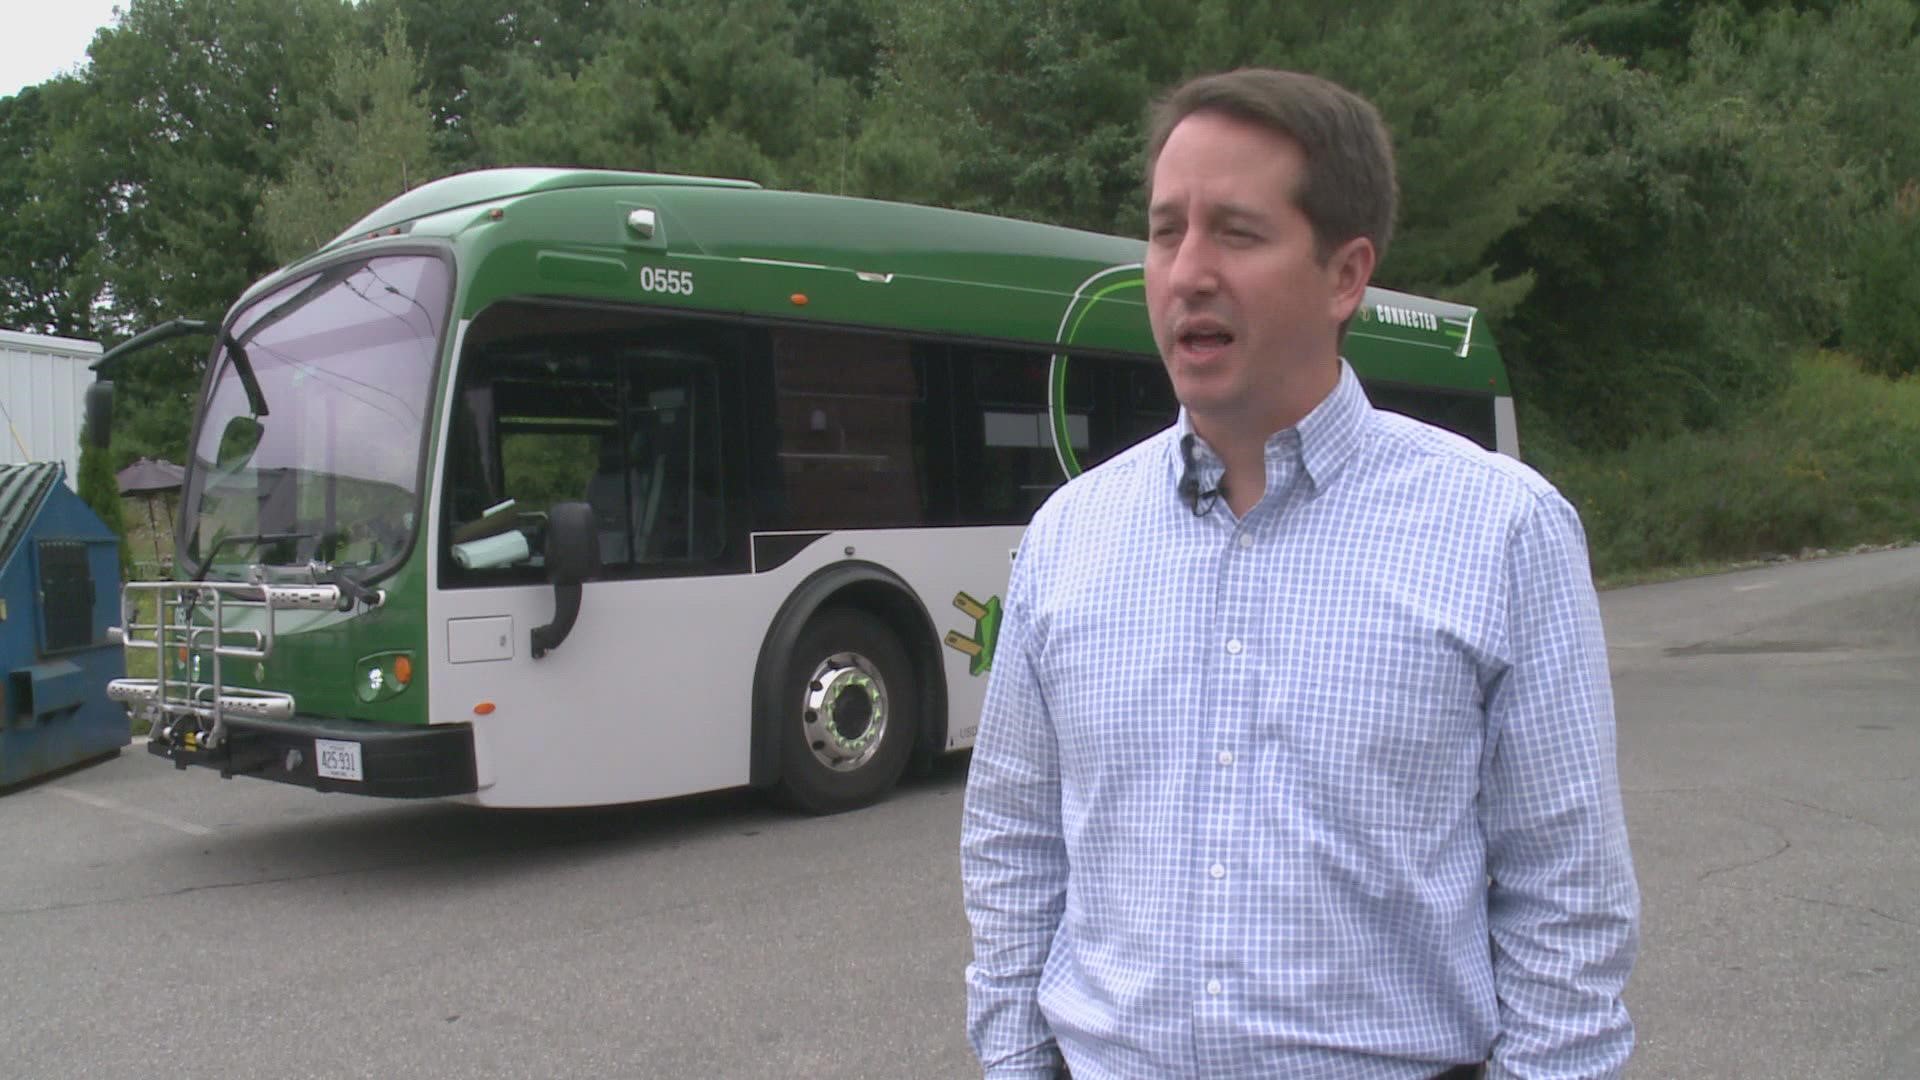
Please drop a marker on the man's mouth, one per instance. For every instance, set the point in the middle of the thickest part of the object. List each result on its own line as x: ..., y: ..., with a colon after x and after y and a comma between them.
x: 1205, y: 339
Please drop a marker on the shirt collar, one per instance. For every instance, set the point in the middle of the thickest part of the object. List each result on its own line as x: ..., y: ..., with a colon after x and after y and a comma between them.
x: 1323, y: 441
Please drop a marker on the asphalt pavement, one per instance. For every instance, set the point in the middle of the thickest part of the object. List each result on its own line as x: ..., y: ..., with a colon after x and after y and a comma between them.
x: 159, y: 923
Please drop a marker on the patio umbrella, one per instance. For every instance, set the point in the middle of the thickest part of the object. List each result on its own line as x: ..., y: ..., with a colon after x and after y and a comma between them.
x: 149, y: 477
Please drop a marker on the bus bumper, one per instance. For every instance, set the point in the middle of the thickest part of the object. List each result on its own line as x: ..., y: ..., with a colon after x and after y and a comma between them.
x: 394, y: 761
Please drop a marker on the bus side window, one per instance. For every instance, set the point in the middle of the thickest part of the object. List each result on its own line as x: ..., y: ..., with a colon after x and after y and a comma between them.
x: 852, y: 413
x: 1460, y: 412
x: 675, y: 499
x: 1006, y: 440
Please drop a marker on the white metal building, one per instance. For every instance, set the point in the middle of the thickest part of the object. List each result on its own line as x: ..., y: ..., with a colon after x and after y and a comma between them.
x: 43, y: 386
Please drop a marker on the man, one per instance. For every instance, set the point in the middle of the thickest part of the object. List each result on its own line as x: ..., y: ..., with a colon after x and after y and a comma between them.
x: 1297, y: 759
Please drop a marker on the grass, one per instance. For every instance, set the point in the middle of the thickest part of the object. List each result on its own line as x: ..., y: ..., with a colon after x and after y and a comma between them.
x: 1832, y: 464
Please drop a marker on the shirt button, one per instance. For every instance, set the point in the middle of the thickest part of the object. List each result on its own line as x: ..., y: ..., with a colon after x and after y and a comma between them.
x: 1213, y: 986
x: 1226, y: 757
x: 1217, y: 870
x: 1246, y: 539
x: 1234, y: 646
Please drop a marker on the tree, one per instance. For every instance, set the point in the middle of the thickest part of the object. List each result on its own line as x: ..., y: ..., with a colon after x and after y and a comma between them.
x: 99, y: 489
x: 477, y: 56
x: 1685, y: 263
x: 712, y: 87
x: 375, y: 145
x: 195, y: 106
x: 1470, y: 98
x: 1882, y: 325
x: 1650, y: 35
x: 188, y: 108
x: 50, y: 274
x: 1036, y: 109
x: 1020, y: 107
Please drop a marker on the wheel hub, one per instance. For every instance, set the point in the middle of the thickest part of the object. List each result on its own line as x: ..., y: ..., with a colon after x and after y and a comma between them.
x: 845, y: 711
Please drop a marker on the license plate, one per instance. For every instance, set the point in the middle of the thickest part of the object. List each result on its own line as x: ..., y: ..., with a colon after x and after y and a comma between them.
x: 337, y: 760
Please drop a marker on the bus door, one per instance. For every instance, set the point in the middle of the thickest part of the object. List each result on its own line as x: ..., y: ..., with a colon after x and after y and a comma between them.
x: 638, y: 416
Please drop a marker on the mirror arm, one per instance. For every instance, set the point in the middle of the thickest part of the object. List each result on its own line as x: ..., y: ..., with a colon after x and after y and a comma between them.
x: 566, y: 608
x: 166, y: 331
x: 573, y: 556
x: 243, y: 367
x: 174, y: 328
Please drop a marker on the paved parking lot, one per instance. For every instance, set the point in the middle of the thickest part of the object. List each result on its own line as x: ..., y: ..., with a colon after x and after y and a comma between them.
x: 172, y: 924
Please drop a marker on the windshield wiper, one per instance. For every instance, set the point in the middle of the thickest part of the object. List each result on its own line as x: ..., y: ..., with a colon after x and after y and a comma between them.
x: 173, y: 328
x: 351, y: 588
x: 256, y: 539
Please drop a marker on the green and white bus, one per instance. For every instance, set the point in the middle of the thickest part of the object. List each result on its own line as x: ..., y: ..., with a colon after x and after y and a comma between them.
x: 547, y: 487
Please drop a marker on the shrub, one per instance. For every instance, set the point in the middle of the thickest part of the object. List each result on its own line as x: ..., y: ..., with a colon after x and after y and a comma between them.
x: 1833, y: 461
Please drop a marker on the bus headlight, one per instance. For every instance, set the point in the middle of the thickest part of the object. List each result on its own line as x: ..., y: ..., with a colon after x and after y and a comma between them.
x: 382, y: 675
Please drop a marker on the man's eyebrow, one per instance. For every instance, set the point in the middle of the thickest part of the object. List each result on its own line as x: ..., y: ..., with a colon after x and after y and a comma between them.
x: 1235, y: 212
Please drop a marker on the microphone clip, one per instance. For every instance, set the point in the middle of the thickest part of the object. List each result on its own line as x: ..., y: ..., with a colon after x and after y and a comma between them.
x: 1199, y: 503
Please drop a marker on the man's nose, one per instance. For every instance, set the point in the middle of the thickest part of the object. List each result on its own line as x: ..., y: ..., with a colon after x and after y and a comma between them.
x: 1195, y: 269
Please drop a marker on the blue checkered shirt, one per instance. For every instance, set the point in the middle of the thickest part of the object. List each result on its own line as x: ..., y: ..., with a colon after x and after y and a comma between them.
x: 1327, y: 791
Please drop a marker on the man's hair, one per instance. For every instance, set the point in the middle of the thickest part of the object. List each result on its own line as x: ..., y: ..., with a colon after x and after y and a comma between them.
x: 1349, y: 188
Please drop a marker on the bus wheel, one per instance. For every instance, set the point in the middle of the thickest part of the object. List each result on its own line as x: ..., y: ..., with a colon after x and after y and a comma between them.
x: 850, y: 713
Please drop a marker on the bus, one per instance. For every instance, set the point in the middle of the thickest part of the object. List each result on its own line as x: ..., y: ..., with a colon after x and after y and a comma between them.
x: 560, y: 487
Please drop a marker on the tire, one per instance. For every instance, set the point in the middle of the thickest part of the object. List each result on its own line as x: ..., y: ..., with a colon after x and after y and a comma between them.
x: 848, y: 713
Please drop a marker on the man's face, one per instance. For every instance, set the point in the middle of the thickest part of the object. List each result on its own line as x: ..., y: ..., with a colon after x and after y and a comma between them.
x: 1246, y: 317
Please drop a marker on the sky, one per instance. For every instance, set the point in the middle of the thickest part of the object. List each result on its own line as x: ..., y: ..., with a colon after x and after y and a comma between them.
x: 46, y: 37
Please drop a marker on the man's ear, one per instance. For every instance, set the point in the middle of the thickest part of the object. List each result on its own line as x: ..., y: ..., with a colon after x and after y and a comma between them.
x: 1348, y: 270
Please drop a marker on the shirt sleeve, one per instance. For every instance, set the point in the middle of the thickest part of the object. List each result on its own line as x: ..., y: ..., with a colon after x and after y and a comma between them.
x: 1563, y: 906
x: 1013, y: 860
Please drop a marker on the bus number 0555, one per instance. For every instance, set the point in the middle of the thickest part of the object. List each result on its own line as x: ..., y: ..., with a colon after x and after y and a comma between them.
x: 677, y: 282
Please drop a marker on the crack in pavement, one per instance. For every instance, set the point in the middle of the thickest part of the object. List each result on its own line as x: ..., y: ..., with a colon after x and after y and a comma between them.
x: 1836, y: 813
x: 185, y: 890
x: 1775, y: 853
x: 397, y: 863
x: 1671, y: 790
x: 1842, y: 905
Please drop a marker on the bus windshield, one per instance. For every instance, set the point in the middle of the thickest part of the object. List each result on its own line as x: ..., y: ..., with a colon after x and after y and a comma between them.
x: 329, y: 471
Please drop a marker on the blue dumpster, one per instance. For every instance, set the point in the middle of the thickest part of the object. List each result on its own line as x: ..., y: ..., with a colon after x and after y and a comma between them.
x: 59, y: 594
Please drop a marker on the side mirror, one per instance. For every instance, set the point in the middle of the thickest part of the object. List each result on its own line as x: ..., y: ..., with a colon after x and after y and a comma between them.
x: 573, y: 556
x: 99, y: 409
x: 238, y: 441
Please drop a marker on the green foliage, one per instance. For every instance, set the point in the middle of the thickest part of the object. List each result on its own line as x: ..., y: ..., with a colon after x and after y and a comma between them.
x: 377, y: 144
x: 1650, y: 35
x: 51, y: 278
x: 142, y: 176
x: 1474, y: 143
x: 1655, y: 202
x: 476, y: 56
x: 101, y: 492
x: 1827, y: 464
x: 1035, y: 109
x: 1694, y: 249
x: 713, y: 87
x: 1883, y: 312
x: 1028, y: 108
x: 194, y: 106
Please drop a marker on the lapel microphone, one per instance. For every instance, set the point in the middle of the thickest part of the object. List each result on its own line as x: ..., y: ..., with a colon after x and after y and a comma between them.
x: 1199, y: 503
